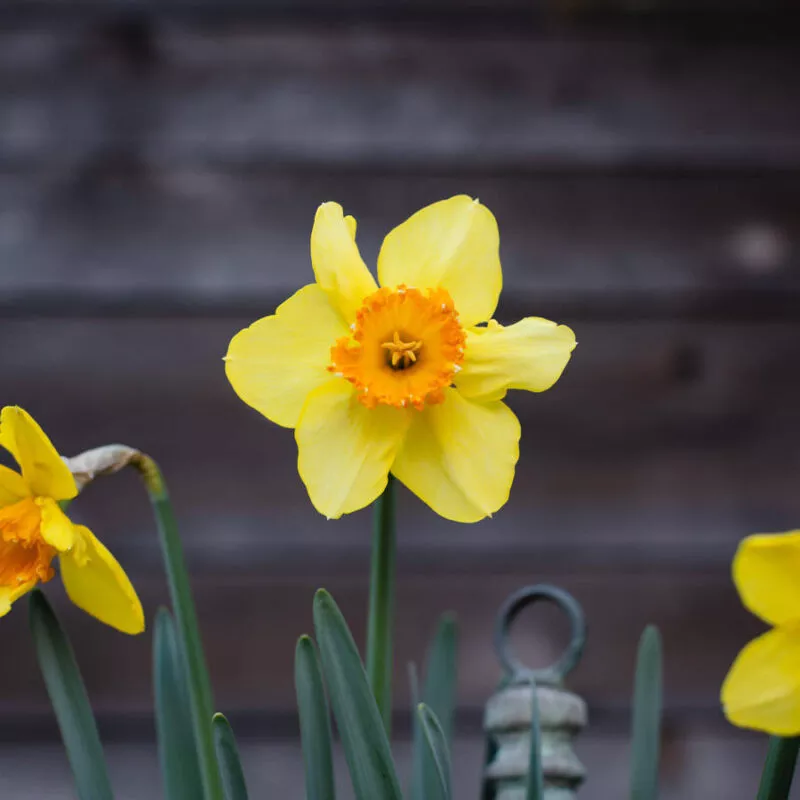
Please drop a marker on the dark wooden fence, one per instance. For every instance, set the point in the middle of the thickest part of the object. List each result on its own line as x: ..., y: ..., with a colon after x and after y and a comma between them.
x: 160, y: 163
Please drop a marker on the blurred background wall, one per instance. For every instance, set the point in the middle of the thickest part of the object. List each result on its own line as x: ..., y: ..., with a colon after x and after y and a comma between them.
x: 160, y: 164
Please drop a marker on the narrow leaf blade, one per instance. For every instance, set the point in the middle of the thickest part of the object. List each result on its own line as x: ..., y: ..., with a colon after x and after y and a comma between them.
x: 364, y: 740
x: 487, y: 787
x: 647, y: 701
x: 535, y: 790
x: 315, y: 722
x: 419, y: 747
x: 70, y: 701
x: 438, y: 749
x: 230, y: 765
x: 176, y: 741
x: 439, y: 694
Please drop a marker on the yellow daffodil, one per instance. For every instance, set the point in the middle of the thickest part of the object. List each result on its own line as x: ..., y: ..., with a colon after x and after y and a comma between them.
x: 402, y: 378
x: 34, y: 530
x: 762, y: 689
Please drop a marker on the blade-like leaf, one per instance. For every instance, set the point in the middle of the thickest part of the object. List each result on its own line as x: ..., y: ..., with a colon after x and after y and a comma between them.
x: 176, y: 742
x: 535, y: 789
x: 315, y: 722
x: 439, y: 694
x: 439, y: 752
x: 230, y: 765
x: 419, y: 747
x: 366, y: 746
x: 70, y: 702
x: 645, y: 743
x: 488, y: 787
x: 776, y: 779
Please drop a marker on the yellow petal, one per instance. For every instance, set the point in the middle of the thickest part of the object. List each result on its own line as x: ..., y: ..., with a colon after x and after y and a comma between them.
x: 56, y: 527
x: 96, y: 583
x: 8, y: 595
x: 276, y: 362
x: 42, y: 467
x: 762, y: 689
x: 345, y: 450
x: 454, y: 244
x: 12, y: 487
x: 340, y: 271
x: 459, y: 457
x: 766, y: 570
x: 530, y: 355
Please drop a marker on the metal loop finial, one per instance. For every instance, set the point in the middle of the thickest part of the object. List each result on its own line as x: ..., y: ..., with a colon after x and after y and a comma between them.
x: 515, y: 670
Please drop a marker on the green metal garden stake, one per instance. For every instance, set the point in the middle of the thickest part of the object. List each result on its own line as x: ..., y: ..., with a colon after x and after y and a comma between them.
x: 510, y: 719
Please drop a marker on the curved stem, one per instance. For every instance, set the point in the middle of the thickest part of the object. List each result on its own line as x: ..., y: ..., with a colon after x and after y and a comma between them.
x: 200, y: 694
x: 380, y: 630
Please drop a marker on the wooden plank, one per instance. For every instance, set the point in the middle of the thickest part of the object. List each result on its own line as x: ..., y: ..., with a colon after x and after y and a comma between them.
x: 218, y: 239
x: 533, y: 11
x: 663, y: 443
x: 383, y: 96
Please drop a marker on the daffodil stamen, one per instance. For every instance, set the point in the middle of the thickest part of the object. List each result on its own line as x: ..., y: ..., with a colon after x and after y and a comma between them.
x: 400, y: 351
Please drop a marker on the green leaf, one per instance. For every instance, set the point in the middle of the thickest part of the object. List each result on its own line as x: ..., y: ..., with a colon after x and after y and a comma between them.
x: 439, y: 694
x: 488, y: 787
x: 441, y: 674
x: 176, y: 742
x: 438, y: 749
x: 419, y: 747
x: 647, y: 699
x: 70, y: 702
x: 380, y: 623
x: 199, y: 684
x: 535, y: 789
x: 315, y: 722
x: 364, y: 740
x: 230, y: 765
x: 776, y: 779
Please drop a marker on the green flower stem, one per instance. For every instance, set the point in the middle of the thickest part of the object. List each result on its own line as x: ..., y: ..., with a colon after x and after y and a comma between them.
x: 200, y: 696
x: 776, y: 780
x: 381, y: 603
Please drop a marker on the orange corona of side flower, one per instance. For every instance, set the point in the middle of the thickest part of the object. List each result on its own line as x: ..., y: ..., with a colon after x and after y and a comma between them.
x: 34, y: 531
x: 408, y: 378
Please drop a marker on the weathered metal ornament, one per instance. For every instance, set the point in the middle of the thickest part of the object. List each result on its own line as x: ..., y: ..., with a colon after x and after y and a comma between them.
x: 562, y: 714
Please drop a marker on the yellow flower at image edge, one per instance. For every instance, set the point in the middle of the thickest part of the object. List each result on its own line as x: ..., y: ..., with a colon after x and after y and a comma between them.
x: 762, y: 689
x: 404, y: 378
x: 34, y: 531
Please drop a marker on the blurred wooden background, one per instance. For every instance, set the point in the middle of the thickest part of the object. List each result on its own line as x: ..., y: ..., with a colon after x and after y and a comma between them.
x: 160, y: 164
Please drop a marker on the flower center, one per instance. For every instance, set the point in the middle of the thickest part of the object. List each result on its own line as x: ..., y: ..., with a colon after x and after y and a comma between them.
x: 405, y: 348
x: 403, y: 354
x: 24, y: 555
